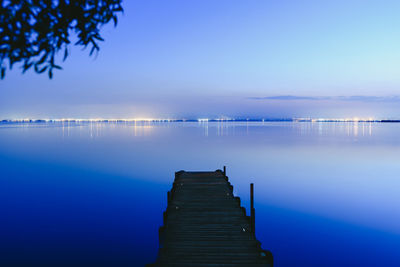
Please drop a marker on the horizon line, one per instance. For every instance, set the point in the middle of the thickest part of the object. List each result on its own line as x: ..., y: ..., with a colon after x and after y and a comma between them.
x: 254, y: 119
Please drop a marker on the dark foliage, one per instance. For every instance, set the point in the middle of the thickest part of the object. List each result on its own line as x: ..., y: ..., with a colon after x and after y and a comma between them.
x: 33, y: 31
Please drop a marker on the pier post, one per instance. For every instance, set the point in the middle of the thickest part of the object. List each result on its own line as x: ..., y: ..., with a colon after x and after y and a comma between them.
x: 252, y: 210
x: 224, y: 170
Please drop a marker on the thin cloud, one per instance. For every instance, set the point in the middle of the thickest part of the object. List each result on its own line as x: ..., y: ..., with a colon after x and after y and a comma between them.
x: 285, y: 97
x: 355, y: 98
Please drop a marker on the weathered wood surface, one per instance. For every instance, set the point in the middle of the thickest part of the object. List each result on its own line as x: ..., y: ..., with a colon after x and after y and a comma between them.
x: 204, y: 225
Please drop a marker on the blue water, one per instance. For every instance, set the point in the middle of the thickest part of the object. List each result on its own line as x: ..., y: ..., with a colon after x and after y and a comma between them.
x: 92, y: 194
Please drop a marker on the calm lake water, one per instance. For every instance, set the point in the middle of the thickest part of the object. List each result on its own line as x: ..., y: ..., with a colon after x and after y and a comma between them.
x: 326, y: 194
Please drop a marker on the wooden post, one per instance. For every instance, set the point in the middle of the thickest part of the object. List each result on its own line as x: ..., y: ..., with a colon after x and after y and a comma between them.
x: 224, y: 170
x: 252, y: 210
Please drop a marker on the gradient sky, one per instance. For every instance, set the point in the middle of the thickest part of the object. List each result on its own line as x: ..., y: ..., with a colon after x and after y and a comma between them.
x: 226, y: 58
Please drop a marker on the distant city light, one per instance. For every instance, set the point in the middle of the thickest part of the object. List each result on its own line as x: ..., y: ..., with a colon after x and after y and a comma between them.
x: 116, y: 120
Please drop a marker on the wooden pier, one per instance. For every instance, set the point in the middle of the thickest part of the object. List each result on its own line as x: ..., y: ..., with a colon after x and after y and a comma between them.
x: 205, y: 225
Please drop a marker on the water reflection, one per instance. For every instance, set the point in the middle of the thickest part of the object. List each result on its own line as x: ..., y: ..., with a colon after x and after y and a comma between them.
x: 78, y: 188
x: 218, y: 128
x: 336, y: 128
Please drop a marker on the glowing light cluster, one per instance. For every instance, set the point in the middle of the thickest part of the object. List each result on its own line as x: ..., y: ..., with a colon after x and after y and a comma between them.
x: 118, y: 120
x: 355, y: 119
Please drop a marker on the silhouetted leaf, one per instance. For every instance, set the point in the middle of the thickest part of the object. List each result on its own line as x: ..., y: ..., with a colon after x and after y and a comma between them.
x: 27, y: 66
x: 36, y: 42
x: 65, y: 54
x: 94, y: 48
x: 42, y: 59
x: 41, y: 70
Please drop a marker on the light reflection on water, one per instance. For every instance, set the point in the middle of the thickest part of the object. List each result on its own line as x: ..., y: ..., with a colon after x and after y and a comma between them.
x: 323, y: 189
x: 224, y: 128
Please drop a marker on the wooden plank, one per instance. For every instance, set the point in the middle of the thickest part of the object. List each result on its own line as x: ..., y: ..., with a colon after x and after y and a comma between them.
x: 204, y: 225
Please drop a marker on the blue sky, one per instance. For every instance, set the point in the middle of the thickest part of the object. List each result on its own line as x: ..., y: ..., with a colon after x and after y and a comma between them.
x: 226, y: 58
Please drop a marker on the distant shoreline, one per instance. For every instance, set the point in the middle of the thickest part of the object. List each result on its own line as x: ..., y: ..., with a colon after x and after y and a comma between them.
x: 198, y: 120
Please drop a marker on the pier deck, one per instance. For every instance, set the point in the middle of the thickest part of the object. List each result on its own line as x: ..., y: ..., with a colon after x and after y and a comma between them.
x: 204, y: 225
